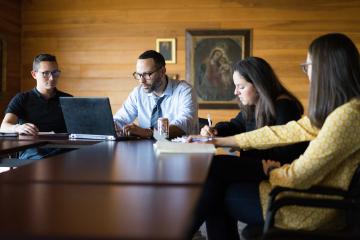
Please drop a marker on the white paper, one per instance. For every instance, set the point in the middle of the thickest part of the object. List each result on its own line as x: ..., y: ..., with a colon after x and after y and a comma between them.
x: 177, y: 147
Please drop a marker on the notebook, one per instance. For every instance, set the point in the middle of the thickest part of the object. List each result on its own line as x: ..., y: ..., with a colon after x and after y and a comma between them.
x: 90, y: 118
x: 176, y: 147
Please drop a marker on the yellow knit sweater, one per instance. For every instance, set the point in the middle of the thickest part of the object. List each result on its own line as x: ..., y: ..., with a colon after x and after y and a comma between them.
x: 330, y: 160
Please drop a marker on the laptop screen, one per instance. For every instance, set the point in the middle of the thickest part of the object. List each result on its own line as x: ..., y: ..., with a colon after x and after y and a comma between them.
x: 84, y: 115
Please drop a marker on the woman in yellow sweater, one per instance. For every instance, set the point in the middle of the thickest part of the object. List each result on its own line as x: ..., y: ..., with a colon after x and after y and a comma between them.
x: 332, y: 126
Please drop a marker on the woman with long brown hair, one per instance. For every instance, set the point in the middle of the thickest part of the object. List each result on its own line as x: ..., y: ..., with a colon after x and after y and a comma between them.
x: 332, y: 126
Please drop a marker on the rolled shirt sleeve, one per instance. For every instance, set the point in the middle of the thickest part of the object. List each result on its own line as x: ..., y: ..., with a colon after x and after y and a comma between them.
x: 129, y: 111
x: 179, y: 106
x: 186, y: 118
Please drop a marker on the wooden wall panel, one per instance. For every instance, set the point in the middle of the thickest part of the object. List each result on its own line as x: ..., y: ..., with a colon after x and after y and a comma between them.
x: 97, y: 41
x: 10, y: 29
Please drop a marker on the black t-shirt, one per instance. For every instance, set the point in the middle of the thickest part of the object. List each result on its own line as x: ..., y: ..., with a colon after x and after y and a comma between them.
x: 286, y: 111
x: 31, y: 107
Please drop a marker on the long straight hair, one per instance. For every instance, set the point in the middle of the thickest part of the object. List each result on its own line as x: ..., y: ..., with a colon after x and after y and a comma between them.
x: 268, y: 87
x: 335, y: 76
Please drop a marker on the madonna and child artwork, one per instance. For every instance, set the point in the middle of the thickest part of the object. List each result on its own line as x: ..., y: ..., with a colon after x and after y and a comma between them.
x: 211, y: 60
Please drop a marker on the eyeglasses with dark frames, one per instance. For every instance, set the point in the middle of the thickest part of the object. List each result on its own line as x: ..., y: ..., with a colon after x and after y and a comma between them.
x: 47, y: 74
x: 146, y: 75
x: 305, y: 67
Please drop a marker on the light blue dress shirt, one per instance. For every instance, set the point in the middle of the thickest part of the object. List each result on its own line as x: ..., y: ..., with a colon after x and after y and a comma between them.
x: 179, y: 106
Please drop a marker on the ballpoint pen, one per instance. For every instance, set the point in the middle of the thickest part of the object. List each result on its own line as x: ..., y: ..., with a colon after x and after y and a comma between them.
x: 209, y: 120
x: 201, y: 139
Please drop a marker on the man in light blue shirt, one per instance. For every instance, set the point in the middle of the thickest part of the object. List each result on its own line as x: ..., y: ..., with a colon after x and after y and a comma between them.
x: 158, y: 96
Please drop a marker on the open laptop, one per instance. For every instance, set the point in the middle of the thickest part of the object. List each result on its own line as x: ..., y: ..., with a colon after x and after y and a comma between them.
x: 90, y: 118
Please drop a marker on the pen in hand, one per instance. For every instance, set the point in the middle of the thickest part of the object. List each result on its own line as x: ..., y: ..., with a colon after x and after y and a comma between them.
x: 209, y: 120
x: 208, y: 130
x: 201, y: 139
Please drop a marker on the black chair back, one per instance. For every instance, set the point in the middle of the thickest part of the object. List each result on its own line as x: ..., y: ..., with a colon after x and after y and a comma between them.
x: 354, y: 188
x: 353, y: 215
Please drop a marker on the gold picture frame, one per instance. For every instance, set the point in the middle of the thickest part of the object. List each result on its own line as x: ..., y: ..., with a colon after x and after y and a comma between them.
x: 210, y: 56
x: 167, y: 47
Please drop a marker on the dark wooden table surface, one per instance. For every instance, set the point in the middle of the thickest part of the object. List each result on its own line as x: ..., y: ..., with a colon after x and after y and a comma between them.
x: 59, y: 141
x: 128, y: 162
x: 12, y: 145
x: 106, y: 190
x: 81, y: 211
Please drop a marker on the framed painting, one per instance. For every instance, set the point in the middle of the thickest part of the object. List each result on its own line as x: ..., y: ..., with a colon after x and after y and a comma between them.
x: 210, y: 56
x: 167, y: 47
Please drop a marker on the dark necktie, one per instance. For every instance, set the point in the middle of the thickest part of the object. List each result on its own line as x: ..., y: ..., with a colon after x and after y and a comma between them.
x: 156, y: 112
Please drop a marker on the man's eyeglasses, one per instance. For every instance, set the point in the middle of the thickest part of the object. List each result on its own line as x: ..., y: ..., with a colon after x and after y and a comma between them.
x: 305, y: 67
x: 146, y: 75
x: 47, y: 74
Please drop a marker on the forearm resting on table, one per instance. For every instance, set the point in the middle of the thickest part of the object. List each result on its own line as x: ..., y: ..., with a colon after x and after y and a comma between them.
x: 9, y: 127
x: 9, y: 123
x: 225, y: 142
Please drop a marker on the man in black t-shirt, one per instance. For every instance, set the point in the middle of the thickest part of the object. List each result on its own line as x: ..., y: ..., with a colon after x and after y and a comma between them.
x: 38, y: 109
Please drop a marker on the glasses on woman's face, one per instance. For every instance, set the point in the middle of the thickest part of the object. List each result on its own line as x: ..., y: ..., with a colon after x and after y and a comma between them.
x: 47, y: 74
x: 305, y: 67
x: 145, y: 75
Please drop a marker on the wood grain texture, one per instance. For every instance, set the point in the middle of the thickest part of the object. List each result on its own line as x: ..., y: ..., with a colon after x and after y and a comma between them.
x: 10, y: 29
x: 97, y: 42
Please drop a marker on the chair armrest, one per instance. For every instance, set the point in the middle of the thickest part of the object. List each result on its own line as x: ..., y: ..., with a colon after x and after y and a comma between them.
x: 275, y: 205
x: 314, y: 190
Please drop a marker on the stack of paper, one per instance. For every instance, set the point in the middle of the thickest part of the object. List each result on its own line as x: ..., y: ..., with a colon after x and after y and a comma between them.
x: 176, y: 147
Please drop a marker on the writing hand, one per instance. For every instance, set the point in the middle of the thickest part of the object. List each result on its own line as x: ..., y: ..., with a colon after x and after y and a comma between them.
x: 208, y: 131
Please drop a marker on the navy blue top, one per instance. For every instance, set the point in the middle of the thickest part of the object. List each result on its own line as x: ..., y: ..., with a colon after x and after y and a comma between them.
x: 46, y: 114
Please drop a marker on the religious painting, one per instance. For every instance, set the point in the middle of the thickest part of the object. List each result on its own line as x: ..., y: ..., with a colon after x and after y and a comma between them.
x: 210, y: 56
x: 167, y: 47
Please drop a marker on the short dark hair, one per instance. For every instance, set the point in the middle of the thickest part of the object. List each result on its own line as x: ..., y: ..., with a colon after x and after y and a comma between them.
x: 268, y: 86
x: 335, y: 76
x: 44, y: 57
x: 158, y: 58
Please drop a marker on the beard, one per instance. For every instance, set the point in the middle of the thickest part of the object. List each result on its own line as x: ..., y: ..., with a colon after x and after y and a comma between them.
x: 153, y: 87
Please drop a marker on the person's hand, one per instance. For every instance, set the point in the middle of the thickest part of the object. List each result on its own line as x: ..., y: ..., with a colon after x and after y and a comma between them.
x: 118, y: 130
x: 208, y: 131
x: 135, y: 130
x: 27, y: 129
x: 269, y: 165
x: 234, y: 149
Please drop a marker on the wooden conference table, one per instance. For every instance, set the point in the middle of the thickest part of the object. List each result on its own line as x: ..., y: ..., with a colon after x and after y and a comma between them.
x: 103, y: 190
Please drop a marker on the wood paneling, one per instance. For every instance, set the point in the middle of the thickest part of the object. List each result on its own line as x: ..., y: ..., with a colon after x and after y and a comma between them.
x: 97, y: 41
x: 10, y: 29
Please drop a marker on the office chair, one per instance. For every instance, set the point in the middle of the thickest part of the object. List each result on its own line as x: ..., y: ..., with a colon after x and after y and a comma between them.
x: 350, y: 202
